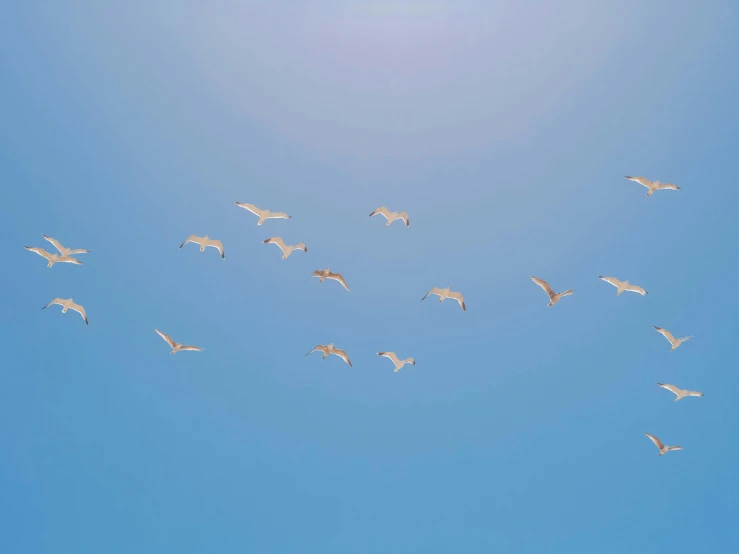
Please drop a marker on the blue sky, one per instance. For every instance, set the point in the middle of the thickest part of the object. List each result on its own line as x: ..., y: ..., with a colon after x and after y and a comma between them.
x: 505, y: 132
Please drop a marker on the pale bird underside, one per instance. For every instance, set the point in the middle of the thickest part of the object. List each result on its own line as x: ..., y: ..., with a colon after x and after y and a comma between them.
x: 330, y: 349
x: 663, y: 449
x: 62, y: 250
x: 68, y: 304
x: 52, y: 258
x: 672, y: 340
x: 397, y: 361
x: 286, y: 248
x: 204, y: 242
x: 391, y: 216
x: 554, y: 297
x: 679, y: 393
x: 177, y: 346
x: 443, y: 294
x: 653, y: 185
x: 263, y: 215
x: 623, y: 285
x: 328, y: 274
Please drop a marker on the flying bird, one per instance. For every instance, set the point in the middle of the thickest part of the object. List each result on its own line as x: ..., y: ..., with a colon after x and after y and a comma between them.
x: 65, y: 251
x: 662, y: 448
x: 673, y: 341
x: 52, y: 258
x: 330, y: 349
x: 653, y: 185
x: 327, y: 274
x: 443, y: 294
x: 286, y: 249
x: 204, y: 242
x: 623, y: 285
x: 554, y: 297
x: 680, y: 393
x: 391, y: 216
x: 176, y: 346
x: 67, y: 304
x: 398, y: 362
x: 264, y: 215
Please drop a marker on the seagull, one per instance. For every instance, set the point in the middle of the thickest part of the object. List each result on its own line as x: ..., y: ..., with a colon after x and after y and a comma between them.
x: 443, y: 294
x: 673, y: 341
x: 286, y: 249
x: 264, y: 215
x: 398, y: 363
x: 205, y: 242
x: 66, y: 304
x: 391, y: 216
x: 653, y: 185
x: 680, y: 392
x: 662, y: 448
x: 326, y: 274
x: 553, y: 296
x: 329, y: 349
x: 52, y: 258
x: 622, y: 285
x: 65, y: 251
x: 176, y: 346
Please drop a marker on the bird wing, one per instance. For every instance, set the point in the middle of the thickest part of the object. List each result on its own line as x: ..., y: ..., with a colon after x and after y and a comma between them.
x: 190, y: 347
x: 55, y: 242
x: 69, y: 260
x: 637, y: 289
x: 192, y: 238
x: 40, y: 251
x: 59, y: 301
x: 674, y: 448
x: 665, y: 333
x: 611, y: 281
x: 672, y: 388
x: 390, y: 355
x: 693, y: 393
x: 250, y: 207
x: 166, y: 337
x: 459, y: 298
x: 655, y: 440
x: 277, y: 215
x: 219, y: 245
x: 301, y: 246
x: 382, y: 211
x: 80, y: 310
x: 404, y: 216
x: 668, y: 186
x: 278, y: 241
x: 341, y: 354
x: 338, y: 277
x: 543, y: 284
x: 568, y: 292
x: 434, y: 290
x: 641, y: 180
x: 317, y: 347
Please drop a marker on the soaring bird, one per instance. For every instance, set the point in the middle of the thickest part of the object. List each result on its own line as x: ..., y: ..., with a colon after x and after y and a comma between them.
x: 327, y: 274
x: 623, y: 285
x: 330, y: 349
x: 52, y: 258
x: 204, y: 242
x: 65, y: 251
x: 673, y: 341
x: 554, y: 297
x: 680, y: 393
x: 443, y: 294
x: 391, y: 216
x: 286, y: 249
x: 176, y: 346
x: 67, y: 304
x: 264, y: 215
x: 653, y: 185
x: 662, y: 448
x: 398, y: 362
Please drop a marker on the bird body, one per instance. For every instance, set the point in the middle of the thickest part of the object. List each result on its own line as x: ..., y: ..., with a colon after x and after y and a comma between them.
x: 176, y: 346
x: 391, y: 216
x: 663, y: 449
x: 398, y: 362
x: 679, y: 393
x: 204, y: 242
x: 331, y: 349
x: 554, y: 297
x: 263, y: 215
x: 323, y: 274
x: 653, y: 185
x: 67, y: 304
x: 65, y: 251
x: 673, y: 341
x: 443, y: 294
x: 623, y: 286
x: 52, y: 258
x: 286, y: 249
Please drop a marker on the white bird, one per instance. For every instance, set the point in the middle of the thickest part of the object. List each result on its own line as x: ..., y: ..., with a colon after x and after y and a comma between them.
x: 391, y: 216
x: 680, y: 393
x: 67, y: 304
x: 327, y: 274
x: 330, y: 349
x: 623, y: 285
x: 264, y: 215
x: 52, y: 258
x: 554, y: 297
x: 204, y: 242
x: 443, y: 294
x: 673, y: 341
x: 286, y: 249
x: 65, y: 251
x: 653, y: 185
x: 398, y: 362
x: 176, y: 346
x: 662, y: 448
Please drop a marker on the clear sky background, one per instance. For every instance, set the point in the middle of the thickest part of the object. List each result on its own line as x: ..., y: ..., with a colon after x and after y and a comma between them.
x: 505, y: 131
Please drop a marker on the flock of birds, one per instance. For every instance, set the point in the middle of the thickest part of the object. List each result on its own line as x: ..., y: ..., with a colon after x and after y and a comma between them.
x: 66, y: 256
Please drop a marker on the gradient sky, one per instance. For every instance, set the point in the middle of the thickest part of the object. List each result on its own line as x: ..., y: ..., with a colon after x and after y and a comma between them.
x: 505, y: 131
